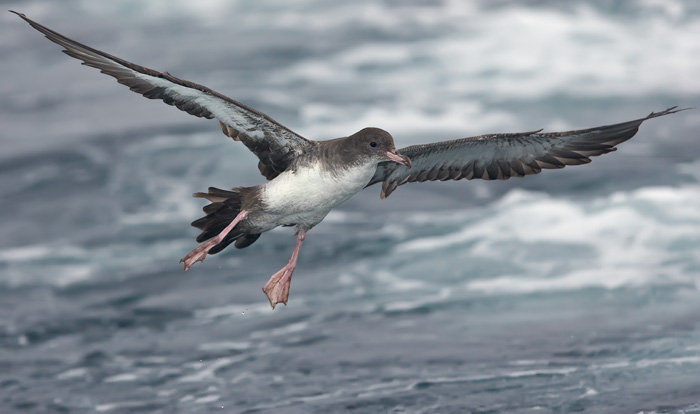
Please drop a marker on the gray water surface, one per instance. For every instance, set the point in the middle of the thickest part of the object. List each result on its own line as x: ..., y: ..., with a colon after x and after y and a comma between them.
x: 571, y: 291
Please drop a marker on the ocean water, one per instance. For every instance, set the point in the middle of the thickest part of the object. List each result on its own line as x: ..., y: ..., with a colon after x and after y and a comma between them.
x: 575, y: 290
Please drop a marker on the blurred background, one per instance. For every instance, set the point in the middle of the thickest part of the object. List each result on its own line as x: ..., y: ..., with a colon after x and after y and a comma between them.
x: 573, y: 290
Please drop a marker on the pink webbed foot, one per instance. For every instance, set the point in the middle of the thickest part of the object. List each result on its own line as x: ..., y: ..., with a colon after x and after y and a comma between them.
x: 201, y: 251
x: 277, y: 288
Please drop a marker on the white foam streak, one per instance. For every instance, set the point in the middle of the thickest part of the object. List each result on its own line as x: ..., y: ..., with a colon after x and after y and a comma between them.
x: 204, y: 371
x: 403, y: 119
x: 668, y: 361
x: 646, y: 236
x: 502, y: 54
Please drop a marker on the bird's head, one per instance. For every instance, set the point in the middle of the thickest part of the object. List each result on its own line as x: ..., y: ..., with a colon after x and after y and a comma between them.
x: 380, y: 145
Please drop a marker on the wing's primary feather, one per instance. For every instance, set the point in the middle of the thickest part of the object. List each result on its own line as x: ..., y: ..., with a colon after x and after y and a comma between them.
x: 274, y: 144
x: 501, y: 156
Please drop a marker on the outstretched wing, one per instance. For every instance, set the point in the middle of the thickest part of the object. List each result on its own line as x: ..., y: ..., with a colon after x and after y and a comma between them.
x: 274, y: 144
x: 501, y: 156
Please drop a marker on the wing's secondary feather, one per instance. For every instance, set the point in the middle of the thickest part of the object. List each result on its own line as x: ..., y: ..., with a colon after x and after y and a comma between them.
x: 274, y: 144
x: 502, y: 156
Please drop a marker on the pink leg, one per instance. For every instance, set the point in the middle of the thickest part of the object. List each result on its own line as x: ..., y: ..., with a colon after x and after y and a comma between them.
x: 277, y: 288
x: 198, y: 254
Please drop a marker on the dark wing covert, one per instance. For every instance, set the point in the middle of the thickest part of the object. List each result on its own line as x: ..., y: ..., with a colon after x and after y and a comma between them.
x: 274, y: 144
x: 501, y: 156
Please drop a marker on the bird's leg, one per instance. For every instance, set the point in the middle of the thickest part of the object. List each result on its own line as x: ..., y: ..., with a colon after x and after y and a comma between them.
x: 198, y: 254
x: 277, y: 288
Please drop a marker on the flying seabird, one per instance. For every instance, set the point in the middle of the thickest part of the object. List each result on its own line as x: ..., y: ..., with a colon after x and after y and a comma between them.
x: 307, y: 179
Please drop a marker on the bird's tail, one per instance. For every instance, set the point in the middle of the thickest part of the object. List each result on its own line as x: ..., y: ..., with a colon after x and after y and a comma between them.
x: 225, y: 206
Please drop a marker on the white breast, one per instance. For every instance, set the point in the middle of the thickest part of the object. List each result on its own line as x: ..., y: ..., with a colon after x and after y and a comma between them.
x: 307, y: 195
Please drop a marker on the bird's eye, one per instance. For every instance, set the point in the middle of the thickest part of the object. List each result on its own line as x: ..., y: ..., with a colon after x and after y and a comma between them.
x: 372, y: 144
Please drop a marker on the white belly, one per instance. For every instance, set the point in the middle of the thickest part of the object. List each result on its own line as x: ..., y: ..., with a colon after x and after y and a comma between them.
x: 307, y: 195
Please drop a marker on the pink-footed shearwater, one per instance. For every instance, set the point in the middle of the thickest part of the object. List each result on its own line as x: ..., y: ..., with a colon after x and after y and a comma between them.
x: 307, y: 179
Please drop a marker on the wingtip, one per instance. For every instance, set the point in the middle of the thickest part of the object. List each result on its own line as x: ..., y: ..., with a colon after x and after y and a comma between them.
x: 388, y: 187
x: 22, y: 16
x: 671, y: 110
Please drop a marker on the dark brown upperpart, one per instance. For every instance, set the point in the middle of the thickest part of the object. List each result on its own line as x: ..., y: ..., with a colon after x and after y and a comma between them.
x: 502, y: 156
x: 276, y: 150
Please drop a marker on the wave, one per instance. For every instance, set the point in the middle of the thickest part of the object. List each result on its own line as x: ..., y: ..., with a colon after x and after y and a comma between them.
x: 523, y: 242
x: 537, y: 242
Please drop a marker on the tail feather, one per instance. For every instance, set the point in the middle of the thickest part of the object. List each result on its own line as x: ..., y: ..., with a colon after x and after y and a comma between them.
x: 225, y: 206
x: 214, y: 228
x: 246, y: 240
x: 210, y: 208
x: 218, y: 195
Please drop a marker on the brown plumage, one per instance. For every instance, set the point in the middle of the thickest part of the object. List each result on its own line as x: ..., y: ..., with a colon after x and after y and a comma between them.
x: 273, y: 143
x: 307, y: 179
x: 502, y: 156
